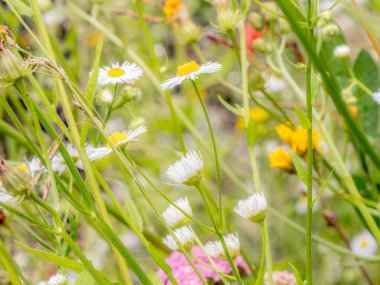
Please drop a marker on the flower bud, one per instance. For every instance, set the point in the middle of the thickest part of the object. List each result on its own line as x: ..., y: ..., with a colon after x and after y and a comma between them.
x: 256, y: 20
x: 130, y: 93
x: 269, y: 16
x: 342, y: 52
x: 325, y: 15
x: 260, y: 45
x: 284, y: 27
x: 190, y: 32
x: 15, y: 179
x: 228, y: 20
x: 105, y: 97
x: 12, y: 66
x: 330, y: 31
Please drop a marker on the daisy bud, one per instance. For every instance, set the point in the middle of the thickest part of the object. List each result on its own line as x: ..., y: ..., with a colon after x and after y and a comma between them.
x: 256, y: 20
x: 189, y: 32
x: 269, y: 16
x: 342, y: 51
x: 105, y: 97
x: 185, y: 237
x: 253, y: 208
x: 12, y: 66
x: 330, y: 31
x: 284, y: 27
x: 187, y: 170
x: 325, y: 16
x: 215, y: 248
x: 262, y: 46
x: 174, y: 217
x: 130, y: 93
x: 228, y: 20
x: 15, y: 179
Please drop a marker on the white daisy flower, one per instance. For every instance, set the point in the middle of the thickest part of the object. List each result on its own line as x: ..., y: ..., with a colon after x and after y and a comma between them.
x: 342, y: 51
x: 187, y: 170
x: 58, y: 279
x: 253, y: 208
x: 174, y: 217
x: 185, y: 235
x: 118, y: 139
x: 35, y: 165
x: 6, y: 198
x: 190, y: 70
x: 376, y: 96
x: 215, y: 248
x: 126, y: 73
x: 364, y: 244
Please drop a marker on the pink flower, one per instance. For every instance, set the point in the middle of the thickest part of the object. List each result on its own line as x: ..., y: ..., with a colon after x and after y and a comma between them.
x: 185, y: 274
x: 281, y: 278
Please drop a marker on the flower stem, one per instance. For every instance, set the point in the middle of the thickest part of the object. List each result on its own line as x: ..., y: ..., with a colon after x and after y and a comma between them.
x: 220, y: 235
x: 266, y: 247
x: 217, y: 166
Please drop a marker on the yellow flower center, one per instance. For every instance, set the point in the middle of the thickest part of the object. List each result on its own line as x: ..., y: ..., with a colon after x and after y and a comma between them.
x: 116, y: 138
x: 364, y: 243
x: 116, y: 72
x: 187, y: 68
x: 22, y: 167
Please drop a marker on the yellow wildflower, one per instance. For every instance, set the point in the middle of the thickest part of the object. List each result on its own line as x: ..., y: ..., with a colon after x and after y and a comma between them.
x: 298, y: 140
x: 172, y: 8
x: 284, y: 132
x: 256, y: 114
x: 281, y: 159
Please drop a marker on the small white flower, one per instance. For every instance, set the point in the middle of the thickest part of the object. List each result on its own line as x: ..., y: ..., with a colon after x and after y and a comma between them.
x: 59, y: 164
x: 35, y: 165
x: 58, y: 279
x: 364, y: 244
x: 275, y: 84
x: 175, y: 217
x: 376, y: 96
x: 105, y: 97
x: 184, y: 235
x: 342, y: 51
x: 118, y: 139
x: 253, y: 208
x: 125, y: 73
x: 187, y: 170
x: 190, y: 70
x: 215, y: 248
x: 6, y: 198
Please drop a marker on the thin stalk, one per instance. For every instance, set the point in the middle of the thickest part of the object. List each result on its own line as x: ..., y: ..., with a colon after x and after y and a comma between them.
x: 309, y: 113
x: 217, y: 166
x: 235, y: 47
x: 9, y: 265
x: 268, y: 257
x: 220, y: 235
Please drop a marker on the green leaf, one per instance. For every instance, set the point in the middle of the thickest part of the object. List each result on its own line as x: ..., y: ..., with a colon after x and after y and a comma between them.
x: 133, y: 213
x: 22, y: 8
x: 366, y: 71
x: 85, y: 278
x: 304, y: 120
x: 323, y: 188
x: 59, y: 260
x: 250, y: 132
x: 300, y: 168
x: 229, y: 107
x: 338, y: 67
x: 297, y: 274
x: 92, y: 82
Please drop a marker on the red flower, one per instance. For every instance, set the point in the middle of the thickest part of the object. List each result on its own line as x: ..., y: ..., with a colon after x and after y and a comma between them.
x: 250, y: 36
